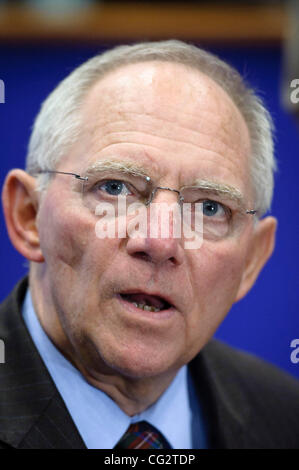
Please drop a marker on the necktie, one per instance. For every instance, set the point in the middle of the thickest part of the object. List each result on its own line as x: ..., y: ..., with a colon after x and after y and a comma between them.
x: 142, y: 435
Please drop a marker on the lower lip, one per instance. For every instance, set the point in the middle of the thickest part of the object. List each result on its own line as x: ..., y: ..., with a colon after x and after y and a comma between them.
x: 163, y: 314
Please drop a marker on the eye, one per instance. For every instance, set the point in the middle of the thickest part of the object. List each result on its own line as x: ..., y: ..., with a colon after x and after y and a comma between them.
x: 114, y: 188
x: 211, y: 208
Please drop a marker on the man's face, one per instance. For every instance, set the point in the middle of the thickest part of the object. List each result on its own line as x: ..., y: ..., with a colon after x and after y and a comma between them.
x: 178, y: 125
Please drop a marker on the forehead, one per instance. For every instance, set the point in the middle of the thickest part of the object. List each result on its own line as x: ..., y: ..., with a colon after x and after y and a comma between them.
x: 165, y: 109
x: 163, y: 88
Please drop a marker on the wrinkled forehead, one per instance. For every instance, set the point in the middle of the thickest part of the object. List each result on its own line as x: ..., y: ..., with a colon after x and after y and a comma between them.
x: 170, y: 91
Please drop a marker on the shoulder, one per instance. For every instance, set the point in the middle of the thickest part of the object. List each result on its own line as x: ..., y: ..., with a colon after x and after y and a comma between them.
x: 10, y: 310
x: 255, y: 400
x: 252, y: 372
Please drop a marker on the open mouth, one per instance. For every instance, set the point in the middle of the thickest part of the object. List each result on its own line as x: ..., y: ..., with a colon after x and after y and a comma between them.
x: 150, y: 303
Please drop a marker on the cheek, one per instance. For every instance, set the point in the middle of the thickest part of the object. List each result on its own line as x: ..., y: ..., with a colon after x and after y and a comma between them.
x: 217, y: 271
x: 221, y: 268
x: 62, y: 238
x: 68, y: 240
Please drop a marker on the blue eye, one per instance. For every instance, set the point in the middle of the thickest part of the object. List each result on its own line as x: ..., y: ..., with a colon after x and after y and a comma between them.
x: 115, y: 188
x: 211, y: 208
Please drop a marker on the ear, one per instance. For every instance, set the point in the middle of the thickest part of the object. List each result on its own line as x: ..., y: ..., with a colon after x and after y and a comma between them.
x: 20, y: 204
x: 259, y: 251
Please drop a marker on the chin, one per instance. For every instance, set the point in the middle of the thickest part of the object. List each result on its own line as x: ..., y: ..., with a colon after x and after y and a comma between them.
x: 130, y: 355
x: 137, y: 366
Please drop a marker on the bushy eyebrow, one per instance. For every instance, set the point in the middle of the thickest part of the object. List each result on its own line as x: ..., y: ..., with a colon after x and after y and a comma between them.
x: 123, y: 166
x: 221, y: 190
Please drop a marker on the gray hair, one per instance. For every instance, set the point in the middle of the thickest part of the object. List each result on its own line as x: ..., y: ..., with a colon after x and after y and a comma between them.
x: 57, y: 126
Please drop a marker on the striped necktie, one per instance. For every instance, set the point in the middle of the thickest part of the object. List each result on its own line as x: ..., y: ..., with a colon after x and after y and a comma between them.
x: 142, y: 435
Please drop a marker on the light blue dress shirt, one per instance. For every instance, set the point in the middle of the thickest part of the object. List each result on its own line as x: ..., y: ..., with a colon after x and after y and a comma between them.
x: 99, y: 420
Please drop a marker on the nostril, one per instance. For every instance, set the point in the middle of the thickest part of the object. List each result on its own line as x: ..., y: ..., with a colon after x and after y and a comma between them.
x: 142, y: 255
x: 155, y: 250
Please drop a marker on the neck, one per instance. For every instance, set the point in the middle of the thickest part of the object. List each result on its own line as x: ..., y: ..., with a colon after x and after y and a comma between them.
x: 132, y: 395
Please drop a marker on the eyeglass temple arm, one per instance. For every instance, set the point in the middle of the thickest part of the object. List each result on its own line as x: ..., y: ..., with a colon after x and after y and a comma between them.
x: 79, y: 177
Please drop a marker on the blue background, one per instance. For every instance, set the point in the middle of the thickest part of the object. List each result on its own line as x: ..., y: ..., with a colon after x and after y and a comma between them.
x: 267, y: 320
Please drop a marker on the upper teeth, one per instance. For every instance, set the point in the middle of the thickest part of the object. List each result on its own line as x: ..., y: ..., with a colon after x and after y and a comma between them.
x: 149, y: 308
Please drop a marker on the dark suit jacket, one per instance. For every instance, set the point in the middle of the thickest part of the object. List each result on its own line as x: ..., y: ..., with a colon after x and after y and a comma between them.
x: 247, y: 403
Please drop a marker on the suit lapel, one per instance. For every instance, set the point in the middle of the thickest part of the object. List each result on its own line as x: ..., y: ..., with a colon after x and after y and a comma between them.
x: 53, y: 429
x: 224, y: 404
x: 32, y: 413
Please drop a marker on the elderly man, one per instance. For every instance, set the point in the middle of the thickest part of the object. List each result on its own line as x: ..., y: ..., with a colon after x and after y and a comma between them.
x: 109, y: 343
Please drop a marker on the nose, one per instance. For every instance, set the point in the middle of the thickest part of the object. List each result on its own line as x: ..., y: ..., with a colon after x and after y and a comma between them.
x: 163, y: 242
x: 156, y: 250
